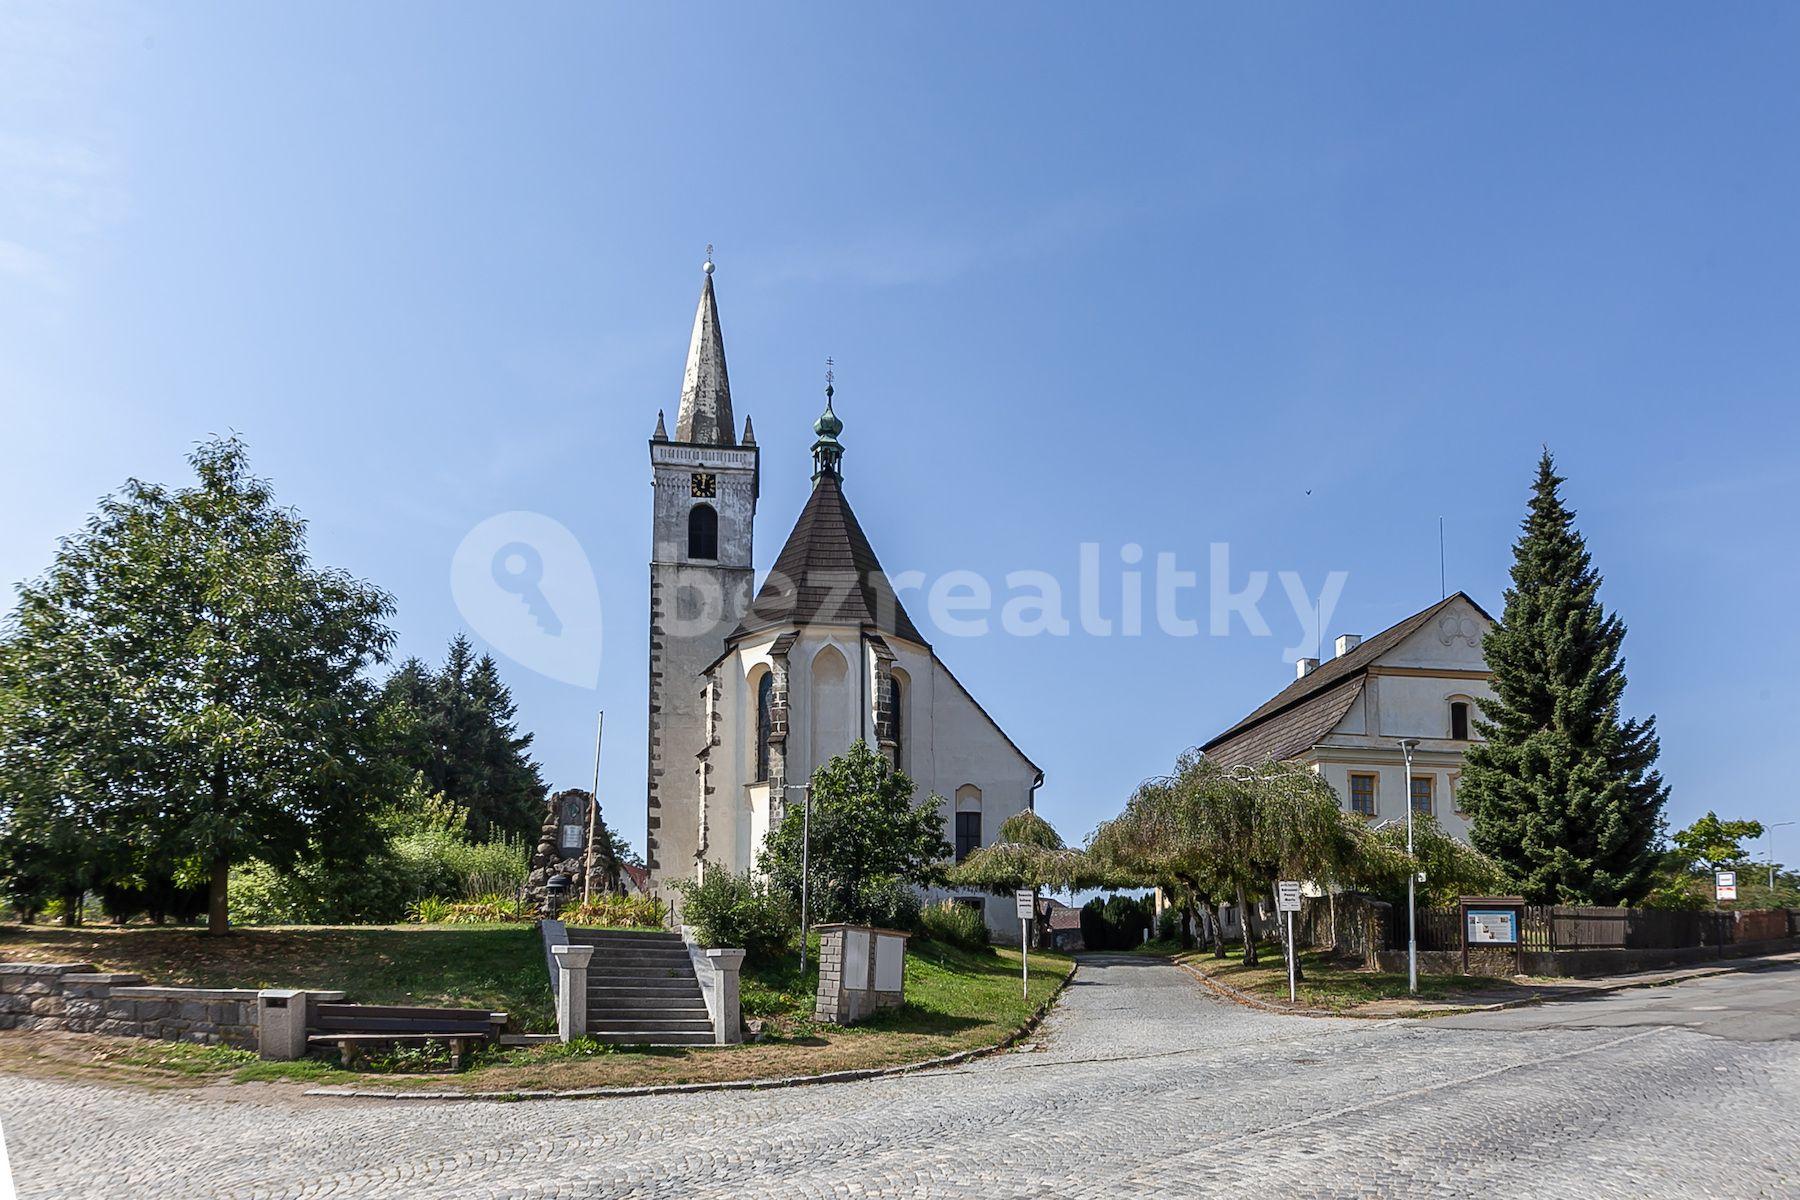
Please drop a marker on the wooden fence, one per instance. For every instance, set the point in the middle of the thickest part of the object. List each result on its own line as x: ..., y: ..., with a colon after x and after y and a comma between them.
x: 1550, y: 928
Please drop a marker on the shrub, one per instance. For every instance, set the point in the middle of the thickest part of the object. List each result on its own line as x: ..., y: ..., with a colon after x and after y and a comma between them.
x: 957, y: 924
x: 616, y: 912
x: 888, y: 903
x: 431, y: 910
x: 1168, y: 926
x: 736, y: 911
x: 1115, y: 923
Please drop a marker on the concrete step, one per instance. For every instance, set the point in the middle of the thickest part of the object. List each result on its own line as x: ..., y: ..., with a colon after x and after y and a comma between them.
x: 651, y: 1000
x: 606, y: 953
x: 611, y: 1016
x: 612, y: 1024
x: 635, y: 1038
x: 637, y: 985
x: 639, y: 937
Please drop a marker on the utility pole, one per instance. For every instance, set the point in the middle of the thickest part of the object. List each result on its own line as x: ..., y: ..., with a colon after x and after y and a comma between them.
x: 805, y: 790
x: 1412, y: 875
x: 1769, y: 847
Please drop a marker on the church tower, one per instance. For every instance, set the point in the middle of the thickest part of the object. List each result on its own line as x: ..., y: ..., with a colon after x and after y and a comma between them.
x: 705, y: 483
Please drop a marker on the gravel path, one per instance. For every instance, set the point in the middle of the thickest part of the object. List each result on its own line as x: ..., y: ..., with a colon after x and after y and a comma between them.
x: 1141, y: 1085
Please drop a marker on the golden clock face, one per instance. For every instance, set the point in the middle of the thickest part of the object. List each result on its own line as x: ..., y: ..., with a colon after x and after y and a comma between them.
x: 706, y: 486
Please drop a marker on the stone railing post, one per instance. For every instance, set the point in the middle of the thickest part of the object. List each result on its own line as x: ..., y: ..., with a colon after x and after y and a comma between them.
x: 571, y: 989
x: 722, y: 997
x: 281, y: 1015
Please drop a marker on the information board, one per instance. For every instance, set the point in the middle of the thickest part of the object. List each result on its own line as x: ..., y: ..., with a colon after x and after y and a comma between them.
x: 1727, y: 884
x: 1492, y: 927
x: 1287, y: 896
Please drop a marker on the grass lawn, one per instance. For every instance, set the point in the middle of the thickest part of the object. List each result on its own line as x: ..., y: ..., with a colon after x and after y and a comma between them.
x: 1327, y: 984
x: 955, y: 1000
x: 498, y: 967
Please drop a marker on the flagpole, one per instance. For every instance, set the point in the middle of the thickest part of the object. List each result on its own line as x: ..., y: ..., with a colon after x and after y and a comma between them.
x: 587, y: 874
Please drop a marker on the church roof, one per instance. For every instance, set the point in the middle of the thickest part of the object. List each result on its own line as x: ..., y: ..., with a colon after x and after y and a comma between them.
x: 827, y: 574
x: 705, y: 416
x: 1297, y: 716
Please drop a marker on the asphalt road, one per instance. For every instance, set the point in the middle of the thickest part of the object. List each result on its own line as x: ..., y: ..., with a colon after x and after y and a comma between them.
x: 1142, y: 1085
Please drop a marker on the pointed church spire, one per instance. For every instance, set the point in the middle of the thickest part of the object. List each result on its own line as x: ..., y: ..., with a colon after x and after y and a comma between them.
x: 749, y: 438
x: 828, y: 452
x: 705, y: 416
x: 662, y: 431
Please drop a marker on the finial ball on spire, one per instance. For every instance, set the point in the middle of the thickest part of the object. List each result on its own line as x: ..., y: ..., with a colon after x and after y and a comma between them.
x: 707, y: 266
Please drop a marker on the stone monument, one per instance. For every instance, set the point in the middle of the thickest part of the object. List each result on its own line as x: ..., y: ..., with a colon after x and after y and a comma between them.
x: 563, y: 849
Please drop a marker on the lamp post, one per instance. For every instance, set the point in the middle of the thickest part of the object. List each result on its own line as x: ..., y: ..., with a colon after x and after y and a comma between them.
x: 1769, y: 847
x: 1412, y: 876
x: 805, y: 790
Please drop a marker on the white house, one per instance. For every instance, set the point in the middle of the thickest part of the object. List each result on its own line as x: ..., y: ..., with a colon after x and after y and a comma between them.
x: 1345, y: 718
x: 748, y: 696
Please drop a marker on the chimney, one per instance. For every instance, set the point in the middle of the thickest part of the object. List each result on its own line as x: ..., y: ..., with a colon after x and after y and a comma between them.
x: 1304, y: 667
x: 1346, y: 642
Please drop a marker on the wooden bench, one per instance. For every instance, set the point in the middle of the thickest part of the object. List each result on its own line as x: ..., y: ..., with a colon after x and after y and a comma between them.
x: 354, y: 1027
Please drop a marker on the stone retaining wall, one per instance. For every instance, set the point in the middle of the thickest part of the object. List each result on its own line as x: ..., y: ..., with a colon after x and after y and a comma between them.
x: 77, y: 998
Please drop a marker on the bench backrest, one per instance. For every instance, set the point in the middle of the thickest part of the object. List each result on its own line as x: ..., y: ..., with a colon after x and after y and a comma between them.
x: 378, y: 1018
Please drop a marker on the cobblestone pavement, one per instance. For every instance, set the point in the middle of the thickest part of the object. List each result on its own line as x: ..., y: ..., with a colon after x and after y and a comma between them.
x: 1143, y: 1086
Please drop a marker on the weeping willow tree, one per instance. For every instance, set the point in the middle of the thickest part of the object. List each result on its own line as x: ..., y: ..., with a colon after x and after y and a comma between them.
x: 1027, y: 852
x: 1218, y: 835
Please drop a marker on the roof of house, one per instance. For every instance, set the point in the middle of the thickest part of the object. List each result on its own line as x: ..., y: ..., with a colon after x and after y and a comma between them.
x: 639, y: 876
x: 1305, y: 710
x: 1061, y: 916
x: 827, y: 574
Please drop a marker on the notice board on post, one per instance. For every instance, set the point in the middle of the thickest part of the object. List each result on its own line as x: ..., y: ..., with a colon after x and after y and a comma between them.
x: 1497, y: 921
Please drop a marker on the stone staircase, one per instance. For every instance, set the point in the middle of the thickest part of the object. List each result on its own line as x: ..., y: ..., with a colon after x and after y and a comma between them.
x: 642, y: 989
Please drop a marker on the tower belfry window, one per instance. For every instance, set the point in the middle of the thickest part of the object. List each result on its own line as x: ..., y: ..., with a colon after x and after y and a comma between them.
x: 703, y: 532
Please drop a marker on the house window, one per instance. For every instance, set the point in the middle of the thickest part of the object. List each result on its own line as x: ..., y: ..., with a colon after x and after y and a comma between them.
x: 765, y: 703
x: 703, y: 532
x: 968, y: 834
x: 1459, y: 720
x: 974, y: 902
x: 1422, y: 794
x: 1362, y: 794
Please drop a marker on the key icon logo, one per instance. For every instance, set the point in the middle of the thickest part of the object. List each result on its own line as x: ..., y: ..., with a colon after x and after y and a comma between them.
x: 522, y: 581
x: 519, y: 568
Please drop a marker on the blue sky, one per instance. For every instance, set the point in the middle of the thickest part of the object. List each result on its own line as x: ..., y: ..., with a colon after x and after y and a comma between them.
x: 1105, y: 275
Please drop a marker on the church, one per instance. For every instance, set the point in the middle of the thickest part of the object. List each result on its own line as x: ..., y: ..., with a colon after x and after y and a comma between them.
x: 751, y: 689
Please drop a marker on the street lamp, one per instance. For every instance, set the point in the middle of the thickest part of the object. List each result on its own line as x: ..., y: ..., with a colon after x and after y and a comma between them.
x: 1412, y: 876
x: 805, y: 790
x: 1769, y: 848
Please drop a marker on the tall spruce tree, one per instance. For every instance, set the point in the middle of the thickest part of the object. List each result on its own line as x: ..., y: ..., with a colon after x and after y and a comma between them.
x: 458, y: 732
x: 1563, y: 792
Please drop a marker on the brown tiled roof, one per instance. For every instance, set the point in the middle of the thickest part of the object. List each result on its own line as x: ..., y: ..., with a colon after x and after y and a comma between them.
x: 1293, y: 732
x: 1299, y: 714
x: 1063, y: 917
x: 639, y: 876
x: 827, y: 574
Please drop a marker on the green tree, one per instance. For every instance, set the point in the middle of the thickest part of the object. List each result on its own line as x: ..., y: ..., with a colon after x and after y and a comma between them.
x: 184, y: 689
x: 870, y: 843
x: 1564, y: 792
x: 1027, y: 852
x: 457, y: 731
x: 1711, y: 844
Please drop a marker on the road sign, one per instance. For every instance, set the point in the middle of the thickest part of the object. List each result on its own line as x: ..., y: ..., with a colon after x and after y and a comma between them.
x: 1287, y: 896
x: 1726, y: 882
x: 1027, y: 901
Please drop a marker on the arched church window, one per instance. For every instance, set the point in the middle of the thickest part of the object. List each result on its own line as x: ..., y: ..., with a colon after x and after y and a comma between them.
x: 765, y: 702
x: 1459, y: 720
x: 896, y: 699
x: 703, y: 532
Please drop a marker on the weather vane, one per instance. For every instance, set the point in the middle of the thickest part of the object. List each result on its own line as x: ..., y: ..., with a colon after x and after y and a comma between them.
x: 829, y: 376
x: 709, y: 261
